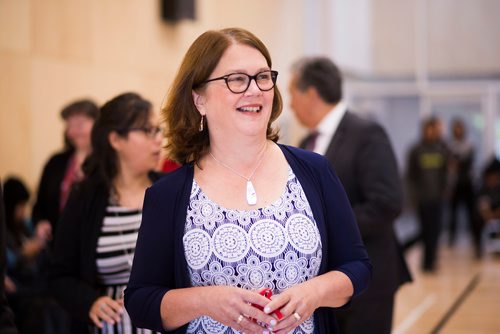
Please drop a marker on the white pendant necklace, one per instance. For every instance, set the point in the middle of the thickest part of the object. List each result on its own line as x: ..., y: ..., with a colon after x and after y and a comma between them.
x: 251, y: 194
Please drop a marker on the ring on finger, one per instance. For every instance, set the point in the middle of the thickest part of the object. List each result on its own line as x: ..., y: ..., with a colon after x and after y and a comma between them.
x: 240, y: 319
x: 297, y: 316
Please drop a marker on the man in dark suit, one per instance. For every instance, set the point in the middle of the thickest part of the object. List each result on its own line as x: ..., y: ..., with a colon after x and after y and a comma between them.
x: 363, y: 158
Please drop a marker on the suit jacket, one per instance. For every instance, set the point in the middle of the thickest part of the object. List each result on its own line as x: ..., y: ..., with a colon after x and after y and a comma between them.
x: 363, y: 158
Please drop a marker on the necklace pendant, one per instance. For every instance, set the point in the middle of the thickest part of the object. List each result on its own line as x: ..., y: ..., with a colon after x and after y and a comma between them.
x: 251, y: 194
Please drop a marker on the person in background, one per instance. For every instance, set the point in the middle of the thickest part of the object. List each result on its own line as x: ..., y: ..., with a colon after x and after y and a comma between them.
x: 95, y: 239
x: 27, y: 266
x: 362, y: 156
x: 168, y: 166
x: 427, y: 176
x: 24, y: 245
x: 488, y: 206
x: 64, y: 168
x: 243, y: 217
x: 461, y: 181
x: 488, y: 201
x: 7, y: 322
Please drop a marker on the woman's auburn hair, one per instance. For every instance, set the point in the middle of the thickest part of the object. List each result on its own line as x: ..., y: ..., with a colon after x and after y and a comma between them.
x: 184, y: 142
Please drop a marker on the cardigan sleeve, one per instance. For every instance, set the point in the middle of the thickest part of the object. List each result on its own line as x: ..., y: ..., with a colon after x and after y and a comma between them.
x: 156, y: 258
x: 66, y: 277
x: 343, y: 248
x: 48, y: 195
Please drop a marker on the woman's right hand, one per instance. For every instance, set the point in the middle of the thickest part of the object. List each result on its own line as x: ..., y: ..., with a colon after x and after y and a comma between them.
x: 232, y: 307
x: 106, y: 309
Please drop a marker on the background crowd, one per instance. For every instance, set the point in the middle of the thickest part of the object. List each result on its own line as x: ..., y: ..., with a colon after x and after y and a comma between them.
x: 69, y: 248
x: 440, y: 181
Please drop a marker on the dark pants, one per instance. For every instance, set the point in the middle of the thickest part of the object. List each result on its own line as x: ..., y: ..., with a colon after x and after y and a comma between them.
x: 462, y: 194
x: 39, y: 314
x: 430, y: 216
x: 367, y: 315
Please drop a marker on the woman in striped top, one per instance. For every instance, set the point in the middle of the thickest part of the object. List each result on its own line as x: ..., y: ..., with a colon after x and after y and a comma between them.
x: 96, y: 236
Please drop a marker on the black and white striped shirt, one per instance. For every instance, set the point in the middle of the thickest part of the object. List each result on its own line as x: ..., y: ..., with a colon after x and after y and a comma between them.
x: 115, y: 252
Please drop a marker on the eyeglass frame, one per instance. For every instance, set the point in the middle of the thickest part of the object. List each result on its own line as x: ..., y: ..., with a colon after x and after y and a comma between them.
x: 150, y: 131
x: 274, y: 78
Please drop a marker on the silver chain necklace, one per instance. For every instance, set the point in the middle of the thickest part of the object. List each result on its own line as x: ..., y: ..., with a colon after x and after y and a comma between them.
x: 251, y: 194
x: 116, y: 213
x: 128, y: 256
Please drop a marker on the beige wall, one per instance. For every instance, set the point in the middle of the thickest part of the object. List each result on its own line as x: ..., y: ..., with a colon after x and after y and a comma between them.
x: 54, y: 51
x: 462, y: 36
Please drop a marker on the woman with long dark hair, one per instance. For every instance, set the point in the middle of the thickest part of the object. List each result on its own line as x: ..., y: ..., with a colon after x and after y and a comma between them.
x: 95, y: 240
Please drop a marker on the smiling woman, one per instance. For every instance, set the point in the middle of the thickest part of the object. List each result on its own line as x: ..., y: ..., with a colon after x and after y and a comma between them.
x: 243, y: 218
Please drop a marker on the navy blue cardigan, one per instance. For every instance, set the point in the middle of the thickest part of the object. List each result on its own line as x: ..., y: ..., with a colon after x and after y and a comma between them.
x: 160, y: 264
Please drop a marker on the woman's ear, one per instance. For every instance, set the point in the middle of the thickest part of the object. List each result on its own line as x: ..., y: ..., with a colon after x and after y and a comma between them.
x: 199, y: 102
x: 114, y: 140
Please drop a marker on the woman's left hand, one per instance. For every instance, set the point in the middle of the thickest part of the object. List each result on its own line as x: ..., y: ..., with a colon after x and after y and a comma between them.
x: 296, y: 304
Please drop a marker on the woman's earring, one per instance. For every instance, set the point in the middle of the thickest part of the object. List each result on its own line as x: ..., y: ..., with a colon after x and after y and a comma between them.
x: 201, y: 123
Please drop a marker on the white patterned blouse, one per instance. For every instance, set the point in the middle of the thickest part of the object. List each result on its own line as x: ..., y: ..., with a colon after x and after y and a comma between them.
x: 274, y: 247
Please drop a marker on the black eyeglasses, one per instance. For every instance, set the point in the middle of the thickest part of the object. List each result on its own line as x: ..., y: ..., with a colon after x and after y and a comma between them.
x: 150, y: 131
x: 239, y: 82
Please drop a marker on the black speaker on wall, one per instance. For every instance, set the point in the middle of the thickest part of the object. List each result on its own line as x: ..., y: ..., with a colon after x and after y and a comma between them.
x: 175, y: 10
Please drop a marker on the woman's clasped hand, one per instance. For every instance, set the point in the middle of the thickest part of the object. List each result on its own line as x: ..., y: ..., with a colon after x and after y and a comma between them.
x: 238, y: 308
